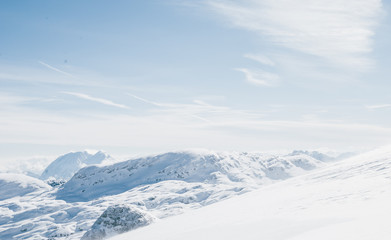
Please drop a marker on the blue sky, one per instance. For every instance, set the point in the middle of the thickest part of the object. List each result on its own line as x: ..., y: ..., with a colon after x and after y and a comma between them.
x: 149, y: 76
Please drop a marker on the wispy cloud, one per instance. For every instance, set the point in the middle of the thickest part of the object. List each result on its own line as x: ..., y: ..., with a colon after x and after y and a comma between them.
x: 56, y: 69
x: 200, y: 110
x: 259, y: 77
x: 260, y: 58
x: 380, y: 106
x: 340, y: 31
x: 98, y: 100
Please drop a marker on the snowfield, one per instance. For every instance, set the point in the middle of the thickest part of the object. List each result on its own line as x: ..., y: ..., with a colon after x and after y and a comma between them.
x: 349, y: 199
x: 170, y: 184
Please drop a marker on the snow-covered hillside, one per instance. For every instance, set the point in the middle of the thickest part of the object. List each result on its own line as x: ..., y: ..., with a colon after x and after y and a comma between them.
x: 346, y: 200
x: 64, y: 167
x: 162, y: 185
x: 18, y: 185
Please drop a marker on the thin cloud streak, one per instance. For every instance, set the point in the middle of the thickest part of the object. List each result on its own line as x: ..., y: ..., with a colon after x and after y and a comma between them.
x: 380, y: 106
x: 181, y: 107
x: 98, y: 100
x: 200, y: 110
x: 149, y: 102
x: 56, y: 69
x: 199, y: 106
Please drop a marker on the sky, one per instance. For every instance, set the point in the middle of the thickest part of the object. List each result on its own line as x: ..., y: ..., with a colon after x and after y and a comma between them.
x: 139, y: 77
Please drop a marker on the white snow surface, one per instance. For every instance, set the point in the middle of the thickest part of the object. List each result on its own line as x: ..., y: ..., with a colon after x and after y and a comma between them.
x: 349, y: 199
x: 64, y: 167
x: 163, y: 185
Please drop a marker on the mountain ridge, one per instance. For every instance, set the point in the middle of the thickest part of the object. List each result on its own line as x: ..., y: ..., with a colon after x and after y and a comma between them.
x: 190, y: 166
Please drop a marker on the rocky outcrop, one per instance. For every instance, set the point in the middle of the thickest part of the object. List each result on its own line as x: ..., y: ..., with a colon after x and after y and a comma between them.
x: 118, y: 219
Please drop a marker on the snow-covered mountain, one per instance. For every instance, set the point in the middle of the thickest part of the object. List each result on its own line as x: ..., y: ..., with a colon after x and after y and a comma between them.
x: 162, y: 185
x: 64, y: 167
x: 250, y: 169
x: 349, y: 199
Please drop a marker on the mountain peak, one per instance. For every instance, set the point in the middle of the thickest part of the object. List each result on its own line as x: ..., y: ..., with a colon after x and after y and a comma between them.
x: 65, y: 166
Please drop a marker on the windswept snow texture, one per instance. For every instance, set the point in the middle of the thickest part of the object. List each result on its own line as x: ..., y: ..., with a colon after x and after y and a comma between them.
x: 349, y: 199
x: 64, y: 167
x: 118, y: 219
x: 18, y: 185
x: 249, y: 168
x: 163, y: 186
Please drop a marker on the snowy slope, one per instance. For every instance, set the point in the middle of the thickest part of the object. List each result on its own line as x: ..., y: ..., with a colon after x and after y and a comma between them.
x: 17, y: 185
x: 250, y: 169
x: 217, y: 176
x: 64, y: 167
x: 347, y: 200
